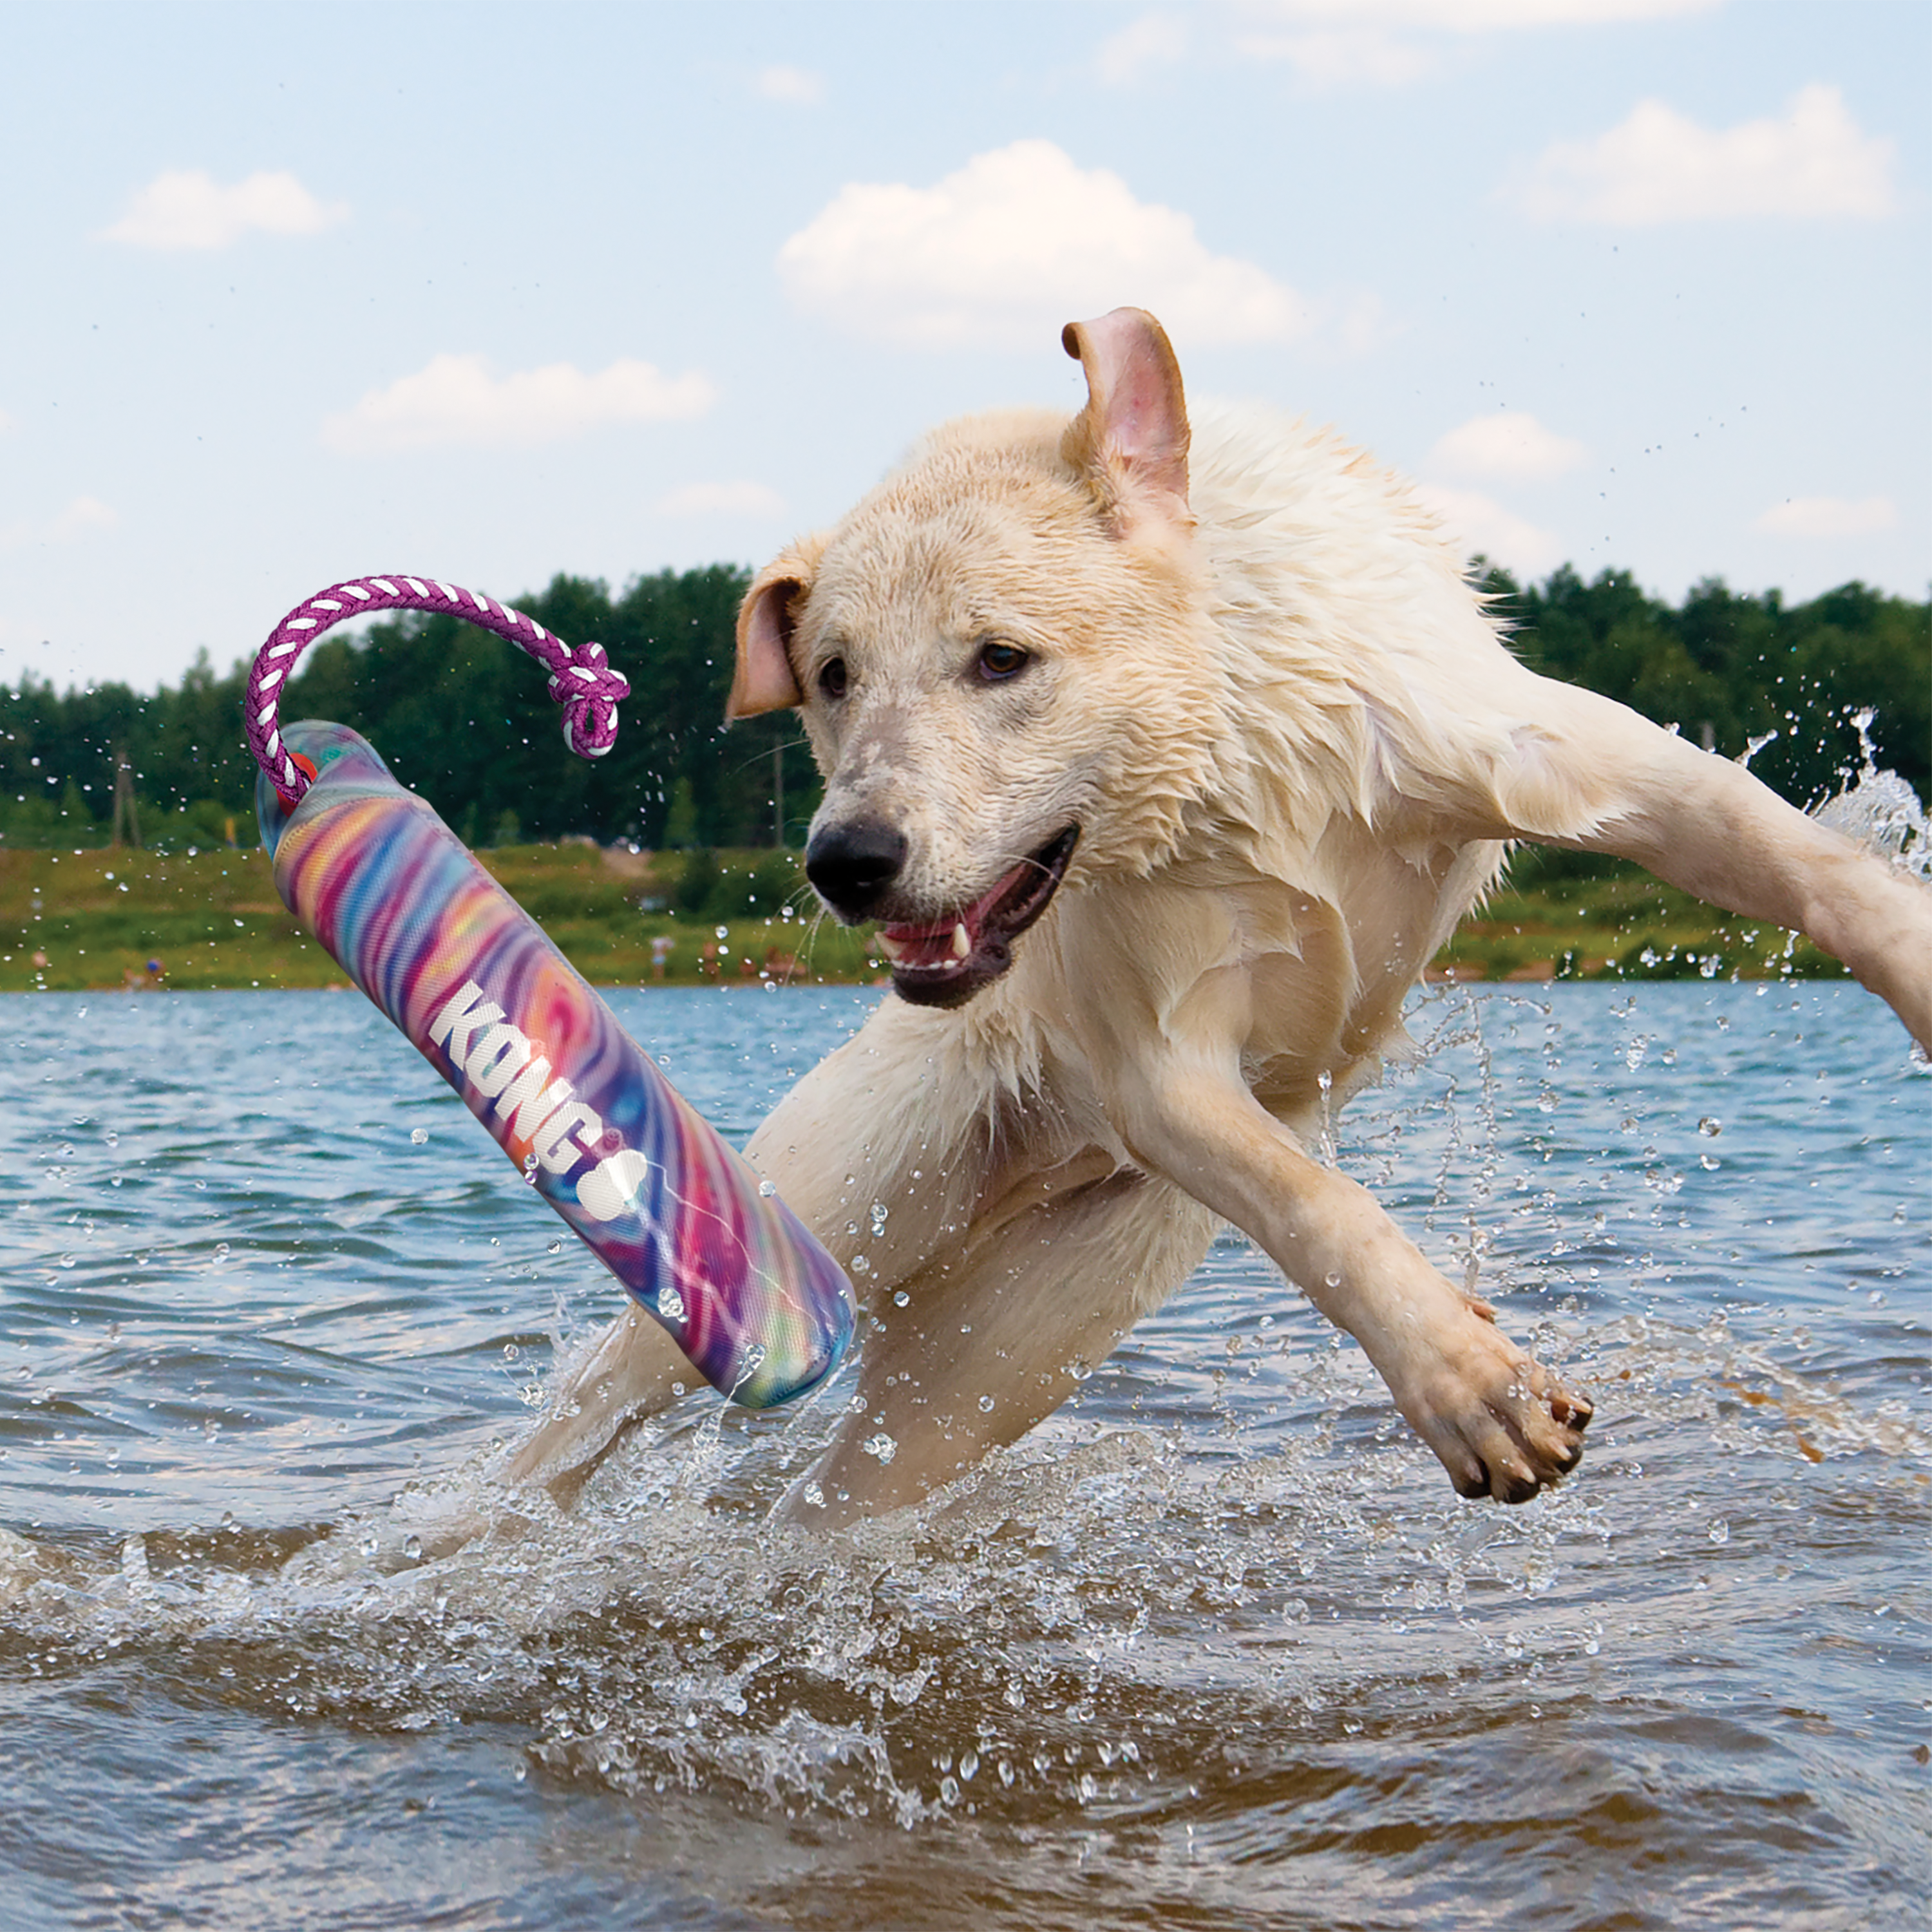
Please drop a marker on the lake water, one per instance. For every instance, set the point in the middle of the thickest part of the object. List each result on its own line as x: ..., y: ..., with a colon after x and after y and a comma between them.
x: 1216, y: 1647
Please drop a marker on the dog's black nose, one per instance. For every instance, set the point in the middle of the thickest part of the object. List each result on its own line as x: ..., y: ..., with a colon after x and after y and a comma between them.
x: 850, y: 865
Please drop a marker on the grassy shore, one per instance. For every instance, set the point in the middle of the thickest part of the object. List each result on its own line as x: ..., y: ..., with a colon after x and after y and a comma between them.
x: 1562, y: 916
x: 213, y: 919
x: 96, y: 918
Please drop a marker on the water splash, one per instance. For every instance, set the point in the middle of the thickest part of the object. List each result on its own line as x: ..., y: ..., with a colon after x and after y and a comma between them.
x: 1218, y: 1618
x: 1880, y: 810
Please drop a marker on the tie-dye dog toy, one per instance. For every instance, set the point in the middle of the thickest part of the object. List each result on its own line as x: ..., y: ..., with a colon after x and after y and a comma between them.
x: 760, y: 1308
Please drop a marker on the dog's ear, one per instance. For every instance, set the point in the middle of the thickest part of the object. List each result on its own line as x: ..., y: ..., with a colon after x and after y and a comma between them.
x: 1131, y: 439
x: 764, y: 680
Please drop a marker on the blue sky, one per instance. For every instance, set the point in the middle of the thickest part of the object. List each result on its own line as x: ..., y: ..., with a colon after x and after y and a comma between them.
x: 295, y: 292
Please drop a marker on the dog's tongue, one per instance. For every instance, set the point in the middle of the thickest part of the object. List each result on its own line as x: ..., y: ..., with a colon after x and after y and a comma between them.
x: 927, y: 946
x: 944, y: 943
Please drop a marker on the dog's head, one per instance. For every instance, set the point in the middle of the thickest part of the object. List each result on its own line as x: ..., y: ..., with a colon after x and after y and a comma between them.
x: 998, y: 655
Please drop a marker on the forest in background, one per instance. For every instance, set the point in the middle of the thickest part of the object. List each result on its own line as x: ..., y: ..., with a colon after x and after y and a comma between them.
x: 465, y: 718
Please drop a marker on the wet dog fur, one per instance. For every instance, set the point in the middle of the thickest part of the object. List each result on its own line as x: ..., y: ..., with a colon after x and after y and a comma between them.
x: 1167, y: 754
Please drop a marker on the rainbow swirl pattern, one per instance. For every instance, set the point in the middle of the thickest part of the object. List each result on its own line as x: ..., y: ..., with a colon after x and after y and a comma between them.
x: 761, y: 1310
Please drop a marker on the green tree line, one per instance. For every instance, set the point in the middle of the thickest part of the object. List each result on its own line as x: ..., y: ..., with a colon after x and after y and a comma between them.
x: 1729, y: 670
x: 466, y: 719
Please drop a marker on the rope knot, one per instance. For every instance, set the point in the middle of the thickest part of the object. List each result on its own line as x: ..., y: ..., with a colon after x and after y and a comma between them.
x: 589, y: 692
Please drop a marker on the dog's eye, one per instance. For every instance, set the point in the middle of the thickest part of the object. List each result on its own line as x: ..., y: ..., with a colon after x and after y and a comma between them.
x: 999, y: 660
x: 832, y: 678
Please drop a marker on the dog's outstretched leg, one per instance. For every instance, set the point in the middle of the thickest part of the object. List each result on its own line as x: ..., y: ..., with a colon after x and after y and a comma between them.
x: 1499, y: 1423
x: 1592, y: 774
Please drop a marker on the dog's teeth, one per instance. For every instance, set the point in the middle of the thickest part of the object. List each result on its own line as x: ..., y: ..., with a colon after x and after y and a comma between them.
x: 962, y: 944
x: 891, y: 948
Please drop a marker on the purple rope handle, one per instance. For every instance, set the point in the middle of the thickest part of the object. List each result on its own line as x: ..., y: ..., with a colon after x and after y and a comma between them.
x: 581, y: 681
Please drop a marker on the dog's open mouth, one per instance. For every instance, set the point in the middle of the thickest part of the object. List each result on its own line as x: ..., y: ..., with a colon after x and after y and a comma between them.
x: 946, y: 961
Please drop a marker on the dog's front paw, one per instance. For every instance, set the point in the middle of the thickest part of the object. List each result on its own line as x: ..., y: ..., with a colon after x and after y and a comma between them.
x: 1502, y: 1425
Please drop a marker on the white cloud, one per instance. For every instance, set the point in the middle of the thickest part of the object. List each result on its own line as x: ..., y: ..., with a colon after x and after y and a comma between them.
x: 83, y: 515
x: 742, y: 498
x: 798, y: 85
x: 1341, y: 43
x: 1509, y: 444
x: 1475, y: 17
x: 1154, y: 40
x: 1016, y: 243
x: 456, y: 399
x: 1344, y: 57
x: 1657, y: 165
x: 189, y: 209
x: 1479, y: 524
x: 1829, y: 517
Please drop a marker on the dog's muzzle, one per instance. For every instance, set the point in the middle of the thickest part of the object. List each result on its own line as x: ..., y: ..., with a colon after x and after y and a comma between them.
x: 942, y: 960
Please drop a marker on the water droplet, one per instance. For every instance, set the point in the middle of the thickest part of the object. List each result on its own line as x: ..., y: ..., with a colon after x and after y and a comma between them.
x: 768, y: 1188
x: 1710, y: 1125
x: 900, y: 1300
x: 417, y: 1136
x: 412, y: 1548
x: 724, y: 932
x: 878, y: 1218
x: 670, y: 1303
x: 880, y: 1445
x: 986, y: 1405
x: 969, y: 1765
x: 1720, y: 1530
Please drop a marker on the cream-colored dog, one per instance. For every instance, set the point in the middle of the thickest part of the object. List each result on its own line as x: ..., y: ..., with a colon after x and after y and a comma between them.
x: 1167, y: 757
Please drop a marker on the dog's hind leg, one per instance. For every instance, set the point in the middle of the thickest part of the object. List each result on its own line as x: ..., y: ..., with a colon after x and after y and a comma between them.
x: 632, y: 1371
x: 851, y: 1149
x: 995, y: 1335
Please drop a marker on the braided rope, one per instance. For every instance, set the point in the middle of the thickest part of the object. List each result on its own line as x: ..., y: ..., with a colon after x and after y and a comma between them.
x: 581, y: 681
